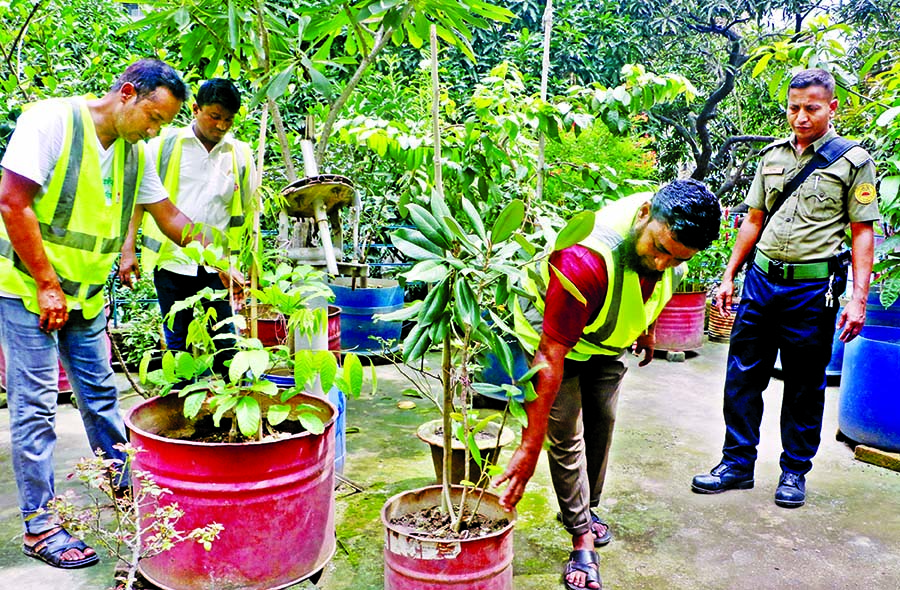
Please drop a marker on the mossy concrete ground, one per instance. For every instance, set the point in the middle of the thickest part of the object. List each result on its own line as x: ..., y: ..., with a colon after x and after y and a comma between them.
x: 669, y: 428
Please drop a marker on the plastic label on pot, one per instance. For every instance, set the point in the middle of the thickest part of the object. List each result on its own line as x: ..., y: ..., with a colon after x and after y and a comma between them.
x: 419, y: 549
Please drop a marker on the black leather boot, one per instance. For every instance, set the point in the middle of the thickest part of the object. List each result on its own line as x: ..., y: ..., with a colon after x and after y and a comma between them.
x: 723, y: 477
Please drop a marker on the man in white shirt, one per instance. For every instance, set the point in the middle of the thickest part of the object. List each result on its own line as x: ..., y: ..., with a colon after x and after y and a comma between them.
x: 72, y: 173
x: 209, y: 176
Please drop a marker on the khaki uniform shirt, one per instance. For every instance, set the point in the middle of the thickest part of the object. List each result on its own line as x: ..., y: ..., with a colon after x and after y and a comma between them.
x: 811, y: 223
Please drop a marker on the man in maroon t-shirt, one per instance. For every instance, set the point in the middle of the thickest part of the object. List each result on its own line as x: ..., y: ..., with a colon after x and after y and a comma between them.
x: 576, y: 400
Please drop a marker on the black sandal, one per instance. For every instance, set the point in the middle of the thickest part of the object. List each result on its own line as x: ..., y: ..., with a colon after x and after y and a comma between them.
x: 51, y: 548
x: 588, y: 562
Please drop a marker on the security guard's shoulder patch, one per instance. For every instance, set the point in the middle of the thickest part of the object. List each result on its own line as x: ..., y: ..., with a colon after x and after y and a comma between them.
x: 857, y: 156
x: 865, y: 193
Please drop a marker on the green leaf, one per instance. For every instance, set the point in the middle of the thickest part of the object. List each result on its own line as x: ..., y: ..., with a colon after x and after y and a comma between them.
x: 233, y: 36
x: 193, y: 403
x: 518, y: 413
x: 568, y: 285
x: 427, y: 271
x: 327, y: 366
x: 888, y: 116
x: 415, y: 245
x: 185, y: 366
x: 577, y: 229
x: 278, y: 413
x: 279, y: 83
x: 428, y: 225
x: 761, y: 64
x: 353, y: 370
x: 474, y: 218
x: 248, y: 416
x: 303, y: 368
x: 311, y: 422
x: 509, y: 220
x: 168, y: 366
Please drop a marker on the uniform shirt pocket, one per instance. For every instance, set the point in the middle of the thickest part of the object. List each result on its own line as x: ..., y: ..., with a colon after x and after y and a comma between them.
x: 821, y: 197
x: 773, y: 181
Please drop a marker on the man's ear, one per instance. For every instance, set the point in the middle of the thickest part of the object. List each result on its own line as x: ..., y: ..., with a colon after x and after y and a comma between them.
x: 127, y: 91
x: 644, y: 212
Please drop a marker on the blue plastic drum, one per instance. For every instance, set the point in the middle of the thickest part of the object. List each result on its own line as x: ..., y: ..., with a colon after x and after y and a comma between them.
x: 869, y: 407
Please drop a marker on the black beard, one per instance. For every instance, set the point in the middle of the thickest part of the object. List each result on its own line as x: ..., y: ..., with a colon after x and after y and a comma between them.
x: 629, y: 257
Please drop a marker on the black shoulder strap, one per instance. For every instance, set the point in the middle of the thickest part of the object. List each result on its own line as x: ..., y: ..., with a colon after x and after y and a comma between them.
x: 826, y: 155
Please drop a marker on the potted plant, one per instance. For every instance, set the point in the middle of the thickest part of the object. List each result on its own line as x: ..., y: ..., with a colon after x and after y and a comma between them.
x: 473, y: 271
x: 237, y: 450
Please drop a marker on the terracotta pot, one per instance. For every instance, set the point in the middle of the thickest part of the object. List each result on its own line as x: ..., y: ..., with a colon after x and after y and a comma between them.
x: 428, y: 433
x: 413, y: 561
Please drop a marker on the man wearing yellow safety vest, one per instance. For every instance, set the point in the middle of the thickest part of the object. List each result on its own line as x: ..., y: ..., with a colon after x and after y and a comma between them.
x: 618, y: 280
x: 208, y: 174
x: 72, y: 173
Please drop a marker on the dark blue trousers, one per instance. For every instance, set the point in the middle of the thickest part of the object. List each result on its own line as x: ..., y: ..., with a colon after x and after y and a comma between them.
x: 171, y: 288
x: 790, y: 316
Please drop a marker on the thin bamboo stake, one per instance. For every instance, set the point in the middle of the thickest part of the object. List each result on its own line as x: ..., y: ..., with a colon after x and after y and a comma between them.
x: 254, y: 269
x: 446, y: 358
x: 545, y: 76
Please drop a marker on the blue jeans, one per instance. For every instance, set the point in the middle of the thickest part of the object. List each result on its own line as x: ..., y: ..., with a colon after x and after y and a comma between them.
x: 32, y: 375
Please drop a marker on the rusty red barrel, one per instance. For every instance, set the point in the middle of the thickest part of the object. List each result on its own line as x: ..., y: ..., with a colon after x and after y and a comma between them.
x: 680, y: 325
x: 334, y: 328
x: 274, y: 498
x: 415, y: 562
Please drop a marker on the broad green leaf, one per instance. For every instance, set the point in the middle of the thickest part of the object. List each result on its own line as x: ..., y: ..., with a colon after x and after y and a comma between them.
x: 327, y: 366
x: 427, y: 271
x: 509, y: 220
x: 278, y: 413
x: 311, y: 422
x: 248, y: 416
x: 223, y: 406
x: 888, y: 116
x: 414, y: 245
x: 577, y: 229
x: 185, y: 366
x: 168, y: 366
x: 193, y: 403
x: 761, y: 64
x: 353, y: 371
x: 518, y: 413
x: 428, y: 225
x: 303, y: 368
x: 279, y: 83
x: 568, y: 285
x: 404, y: 313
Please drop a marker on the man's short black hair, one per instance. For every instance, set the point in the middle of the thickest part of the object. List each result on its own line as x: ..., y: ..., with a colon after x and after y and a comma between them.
x: 219, y: 91
x: 690, y: 210
x: 147, y: 75
x: 813, y: 77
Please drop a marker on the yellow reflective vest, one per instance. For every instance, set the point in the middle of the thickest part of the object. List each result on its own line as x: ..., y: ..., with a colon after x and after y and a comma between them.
x: 82, y: 230
x: 154, y: 247
x: 624, y: 314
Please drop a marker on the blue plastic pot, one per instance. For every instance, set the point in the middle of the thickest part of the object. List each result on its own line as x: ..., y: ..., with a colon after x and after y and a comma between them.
x: 359, y: 328
x: 869, y: 407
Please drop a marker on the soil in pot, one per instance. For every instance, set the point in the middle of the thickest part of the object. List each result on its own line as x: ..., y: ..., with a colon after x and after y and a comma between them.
x: 434, y: 524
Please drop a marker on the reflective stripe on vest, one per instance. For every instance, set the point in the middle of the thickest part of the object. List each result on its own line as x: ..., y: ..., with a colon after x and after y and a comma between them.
x: 77, y: 254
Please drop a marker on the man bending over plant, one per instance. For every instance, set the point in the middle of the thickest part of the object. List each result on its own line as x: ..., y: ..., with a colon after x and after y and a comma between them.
x: 614, y: 284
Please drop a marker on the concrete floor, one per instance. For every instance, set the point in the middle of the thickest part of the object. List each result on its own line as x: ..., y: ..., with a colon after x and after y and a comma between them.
x: 666, y: 538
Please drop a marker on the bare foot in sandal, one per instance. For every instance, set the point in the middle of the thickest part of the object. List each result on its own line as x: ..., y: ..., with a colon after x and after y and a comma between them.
x: 58, y: 548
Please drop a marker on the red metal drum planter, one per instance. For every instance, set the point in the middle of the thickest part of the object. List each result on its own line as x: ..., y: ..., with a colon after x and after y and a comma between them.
x: 416, y: 562
x: 680, y: 325
x: 274, y: 498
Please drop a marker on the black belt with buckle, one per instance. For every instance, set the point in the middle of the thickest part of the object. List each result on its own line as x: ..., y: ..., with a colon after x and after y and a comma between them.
x: 780, y: 270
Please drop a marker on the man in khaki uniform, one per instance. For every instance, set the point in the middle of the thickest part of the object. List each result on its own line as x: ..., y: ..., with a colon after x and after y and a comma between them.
x: 790, y: 297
